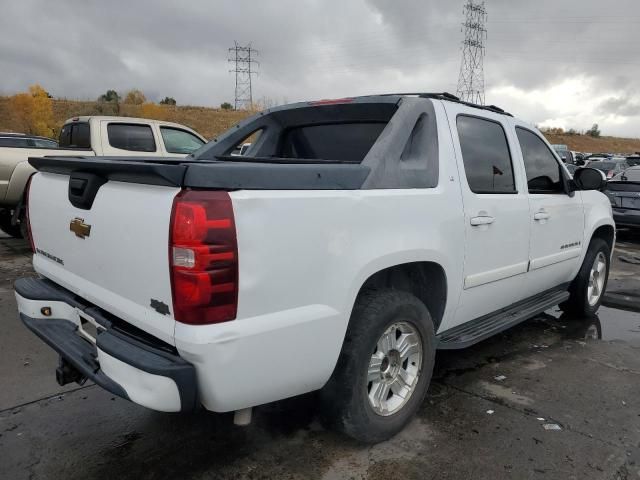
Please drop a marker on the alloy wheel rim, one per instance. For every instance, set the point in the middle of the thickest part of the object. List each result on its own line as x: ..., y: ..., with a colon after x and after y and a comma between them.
x: 597, y: 277
x: 394, y: 368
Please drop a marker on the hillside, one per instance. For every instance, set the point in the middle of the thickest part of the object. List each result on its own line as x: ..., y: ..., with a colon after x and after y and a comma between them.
x: 209, y: 122
x: 584, y: 143
x: 213, y: 121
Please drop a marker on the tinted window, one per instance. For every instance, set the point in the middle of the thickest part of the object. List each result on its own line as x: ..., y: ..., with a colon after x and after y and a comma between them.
x: 543, y: 170
x: 349, y: 142
x: 75, y: 135
x: 179, y: 141
x: 486, y: 157
x: 13, y: 142
x: 133, y: 137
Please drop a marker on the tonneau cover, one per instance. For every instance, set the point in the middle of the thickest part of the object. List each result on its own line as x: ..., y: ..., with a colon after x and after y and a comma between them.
x: 231, y: 175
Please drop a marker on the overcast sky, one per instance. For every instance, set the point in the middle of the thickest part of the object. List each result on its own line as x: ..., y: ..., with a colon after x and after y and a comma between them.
x: 568, y: 63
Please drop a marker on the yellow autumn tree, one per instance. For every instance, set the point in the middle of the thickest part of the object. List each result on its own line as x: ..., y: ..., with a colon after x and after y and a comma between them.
x: 33, y: 112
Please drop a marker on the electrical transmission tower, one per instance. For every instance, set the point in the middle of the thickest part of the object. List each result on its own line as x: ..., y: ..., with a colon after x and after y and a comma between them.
x: 471, y: 79
x: 243, y: 60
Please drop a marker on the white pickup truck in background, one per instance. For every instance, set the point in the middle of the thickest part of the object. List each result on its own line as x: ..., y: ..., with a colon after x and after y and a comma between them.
x: 87, y: 136
x: 352, y: 239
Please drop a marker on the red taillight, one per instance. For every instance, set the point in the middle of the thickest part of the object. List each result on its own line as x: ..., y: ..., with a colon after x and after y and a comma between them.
x: 610, y: 174
x: 26, y: 214
x: 203, y: 252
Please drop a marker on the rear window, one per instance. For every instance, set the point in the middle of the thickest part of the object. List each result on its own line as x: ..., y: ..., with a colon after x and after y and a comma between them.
x: 602, y: 165
x: 75, y: 135
x: 132, y: 137
x: 346, y: 142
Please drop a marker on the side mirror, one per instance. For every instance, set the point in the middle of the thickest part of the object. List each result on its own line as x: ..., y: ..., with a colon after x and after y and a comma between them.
x: 589, y: 179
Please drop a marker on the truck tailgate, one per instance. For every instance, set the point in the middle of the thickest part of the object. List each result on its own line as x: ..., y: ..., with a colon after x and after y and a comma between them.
x: 113, y: 254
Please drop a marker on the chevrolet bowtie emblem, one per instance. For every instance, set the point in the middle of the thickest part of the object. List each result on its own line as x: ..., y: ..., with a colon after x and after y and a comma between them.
x: 80, y: 228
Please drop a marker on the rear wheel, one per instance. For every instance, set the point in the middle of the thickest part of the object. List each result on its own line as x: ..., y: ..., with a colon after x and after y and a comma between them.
x: 384, y: 368
x: 7, y: 227
x: 590, y: 284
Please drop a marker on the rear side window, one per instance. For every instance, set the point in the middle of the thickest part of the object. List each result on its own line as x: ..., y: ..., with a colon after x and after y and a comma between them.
x: 345, y: 142
x: 543, y: 170
x: 131, y: 136
x: 486, y: 156
x: 179, y: 141
x: 75, y: 135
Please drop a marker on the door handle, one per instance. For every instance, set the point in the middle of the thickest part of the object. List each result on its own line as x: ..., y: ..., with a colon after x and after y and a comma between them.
x: 482, y: 220
x: 541, y: 215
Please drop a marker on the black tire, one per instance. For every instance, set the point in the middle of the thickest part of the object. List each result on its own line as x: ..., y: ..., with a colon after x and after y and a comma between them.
x: 578, y: 303
x: 344, y: 398
x: 7, y: 227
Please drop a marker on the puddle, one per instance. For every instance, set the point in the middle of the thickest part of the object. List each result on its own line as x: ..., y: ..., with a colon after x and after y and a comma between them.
x: 608, y: 324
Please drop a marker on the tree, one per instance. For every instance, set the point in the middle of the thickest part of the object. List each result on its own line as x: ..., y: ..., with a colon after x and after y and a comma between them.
x: 226, y: 106
x: 109, y: 96
x: 33, y: 111
x: 168, y: 101
x: 135, y: 97
x: 593, y: 131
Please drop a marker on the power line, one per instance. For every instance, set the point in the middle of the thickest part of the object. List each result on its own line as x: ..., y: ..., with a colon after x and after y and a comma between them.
x: 242, y: 59
x: 471, y: 78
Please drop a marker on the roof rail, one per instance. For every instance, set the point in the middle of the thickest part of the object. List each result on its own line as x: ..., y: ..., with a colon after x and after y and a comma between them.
x: 448, y: 97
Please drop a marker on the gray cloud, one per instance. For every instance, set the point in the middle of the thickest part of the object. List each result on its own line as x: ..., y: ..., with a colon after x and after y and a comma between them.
x: 329, y: 48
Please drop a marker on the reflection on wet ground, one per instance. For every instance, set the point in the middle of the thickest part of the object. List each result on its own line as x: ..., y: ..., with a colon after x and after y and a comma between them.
x: 608, y: 324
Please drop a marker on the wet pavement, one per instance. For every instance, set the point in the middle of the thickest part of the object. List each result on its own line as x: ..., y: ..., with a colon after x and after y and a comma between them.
x: 555, y: 397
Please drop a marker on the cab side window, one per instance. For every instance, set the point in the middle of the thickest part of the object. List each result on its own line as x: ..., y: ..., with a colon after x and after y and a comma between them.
x: 485, y: 154
x: 543, y: 170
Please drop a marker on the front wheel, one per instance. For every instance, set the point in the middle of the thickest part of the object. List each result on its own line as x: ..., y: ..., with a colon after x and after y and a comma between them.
x: 384, y: 369
x: 588, y: 288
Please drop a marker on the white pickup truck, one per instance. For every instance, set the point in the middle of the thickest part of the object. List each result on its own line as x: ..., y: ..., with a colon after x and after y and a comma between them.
x: 353, y: 239
x: 86, y: 136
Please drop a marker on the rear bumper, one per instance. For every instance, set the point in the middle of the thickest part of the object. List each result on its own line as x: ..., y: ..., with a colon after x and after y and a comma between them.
x: 125, y: 365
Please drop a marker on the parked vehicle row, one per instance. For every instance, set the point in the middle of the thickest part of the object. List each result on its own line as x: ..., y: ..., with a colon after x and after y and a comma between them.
x: 623, y: 191
x: 352, y: 240
x: 84, y: 136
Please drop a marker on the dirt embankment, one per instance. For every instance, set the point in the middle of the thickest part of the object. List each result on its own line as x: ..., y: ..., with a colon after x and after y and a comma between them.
x: 584, y: 143
x: 209, y: 122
